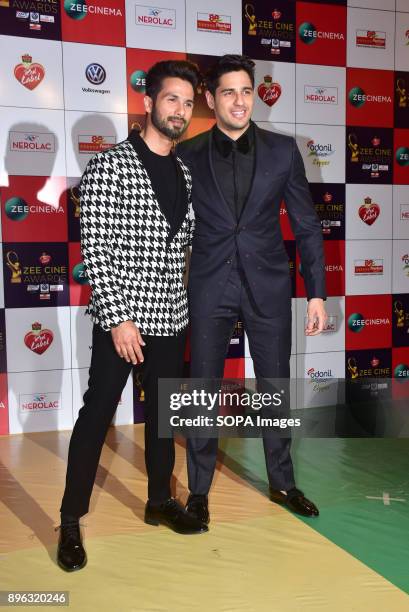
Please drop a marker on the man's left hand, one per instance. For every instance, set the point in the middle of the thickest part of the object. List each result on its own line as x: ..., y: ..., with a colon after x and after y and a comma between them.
x: 317, y: 317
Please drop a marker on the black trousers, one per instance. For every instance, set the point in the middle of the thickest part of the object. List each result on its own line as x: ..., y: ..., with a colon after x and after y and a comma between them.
x: 270, y: 349
x: 107, y: 378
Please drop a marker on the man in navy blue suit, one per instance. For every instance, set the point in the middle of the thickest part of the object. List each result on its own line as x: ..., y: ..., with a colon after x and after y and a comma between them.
x: 239, y: 265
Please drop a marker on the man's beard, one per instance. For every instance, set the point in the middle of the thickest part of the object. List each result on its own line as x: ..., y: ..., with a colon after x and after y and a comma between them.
x: 164, y: 128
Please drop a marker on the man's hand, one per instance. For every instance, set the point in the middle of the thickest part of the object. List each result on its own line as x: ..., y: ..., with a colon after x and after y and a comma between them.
x: 317, y: 317
x: 128, y: 342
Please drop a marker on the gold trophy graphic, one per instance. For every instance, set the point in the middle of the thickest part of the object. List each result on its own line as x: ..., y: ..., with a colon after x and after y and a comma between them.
x: 354, y: 147
x: 75, y: 197
x: 352, y: 367
x: 138, y: 385
x: 251, y: 18
x: 400, y: 314
x: 14, y: 266
x: 401, y: 91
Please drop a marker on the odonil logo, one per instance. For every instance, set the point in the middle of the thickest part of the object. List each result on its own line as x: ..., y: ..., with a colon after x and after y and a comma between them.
x: 319, y: 379
x: 357, y: 321
x: 40, y: 402
x: 138, y: 81
x: 155, y: 17
x: 17, y: 209
x: 319, y: 150
x: 309, y: 34
x: 80, y: 9
x: 402, y: 156
x: 320, y: 95
x: 32, y: 142
x: 319, y: 374
x: 357, y: 97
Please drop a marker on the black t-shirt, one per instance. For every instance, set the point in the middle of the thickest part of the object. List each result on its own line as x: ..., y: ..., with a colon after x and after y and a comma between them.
x: 163, y: 174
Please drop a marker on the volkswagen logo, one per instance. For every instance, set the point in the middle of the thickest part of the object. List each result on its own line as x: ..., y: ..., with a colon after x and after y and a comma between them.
x: 95, y: 74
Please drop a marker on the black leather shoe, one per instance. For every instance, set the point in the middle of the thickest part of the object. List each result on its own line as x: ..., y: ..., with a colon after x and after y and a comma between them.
x: 295, y: 501
x: 173, y: 515
x: 71, y: 555
x: 197, y: 505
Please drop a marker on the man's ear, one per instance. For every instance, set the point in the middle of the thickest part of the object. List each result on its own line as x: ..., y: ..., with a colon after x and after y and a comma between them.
x: 148, y: 103
x: 209, y: 99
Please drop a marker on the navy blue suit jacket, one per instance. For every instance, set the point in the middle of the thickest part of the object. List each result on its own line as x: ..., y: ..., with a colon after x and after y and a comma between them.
x: 256, y: 238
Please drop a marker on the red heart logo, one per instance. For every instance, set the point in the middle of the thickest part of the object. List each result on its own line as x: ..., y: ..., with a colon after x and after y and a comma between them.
x: 269, y: 93
x: 39, y: 342
x: 29, y: 76
x: 369, y: 212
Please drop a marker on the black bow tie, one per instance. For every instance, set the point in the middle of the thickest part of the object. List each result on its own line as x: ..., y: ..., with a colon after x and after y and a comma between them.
x: 242, y: 145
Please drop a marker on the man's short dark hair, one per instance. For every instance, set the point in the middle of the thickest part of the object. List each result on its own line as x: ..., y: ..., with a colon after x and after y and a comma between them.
x: 182, y: 69
x: 225, y: 64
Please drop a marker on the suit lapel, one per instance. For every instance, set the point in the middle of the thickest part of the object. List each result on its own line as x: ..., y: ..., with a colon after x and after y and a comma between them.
x: 213, y: 175
x: 183, y: 190
x: 265, y: 164
x: 182, y: 197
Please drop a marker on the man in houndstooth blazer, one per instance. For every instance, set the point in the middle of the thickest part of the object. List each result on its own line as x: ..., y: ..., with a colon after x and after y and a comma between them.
x: 135, y: 230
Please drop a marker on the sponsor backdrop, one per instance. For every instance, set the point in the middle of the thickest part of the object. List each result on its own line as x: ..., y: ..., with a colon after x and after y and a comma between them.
x: 334, y: 74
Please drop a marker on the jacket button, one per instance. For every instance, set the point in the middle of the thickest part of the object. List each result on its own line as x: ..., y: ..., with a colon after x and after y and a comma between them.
x: 228, y: 261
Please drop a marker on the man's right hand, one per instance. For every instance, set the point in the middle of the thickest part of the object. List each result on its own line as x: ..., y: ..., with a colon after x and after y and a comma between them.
x: 128, y: 341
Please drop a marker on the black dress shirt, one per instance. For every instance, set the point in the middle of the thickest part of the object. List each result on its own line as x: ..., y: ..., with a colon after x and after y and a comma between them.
x: 233, y: 162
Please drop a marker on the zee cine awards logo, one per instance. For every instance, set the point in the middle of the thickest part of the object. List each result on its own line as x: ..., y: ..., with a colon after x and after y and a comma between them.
x: 14, y: 266
x: 402, y: 317
x: 251, y: 18
x: 401, y: 93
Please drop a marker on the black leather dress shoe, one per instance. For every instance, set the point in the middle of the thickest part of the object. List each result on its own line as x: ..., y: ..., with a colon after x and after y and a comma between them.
x: 197, y: 505
x: 71, y: 555
x: 173, y: 515
x: 295, y: 501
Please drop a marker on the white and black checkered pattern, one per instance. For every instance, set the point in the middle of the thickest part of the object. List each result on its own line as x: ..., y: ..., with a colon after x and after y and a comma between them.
x: 134, y: 272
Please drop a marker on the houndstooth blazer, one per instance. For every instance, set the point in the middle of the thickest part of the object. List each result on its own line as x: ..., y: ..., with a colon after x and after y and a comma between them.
x: 135, y: 271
